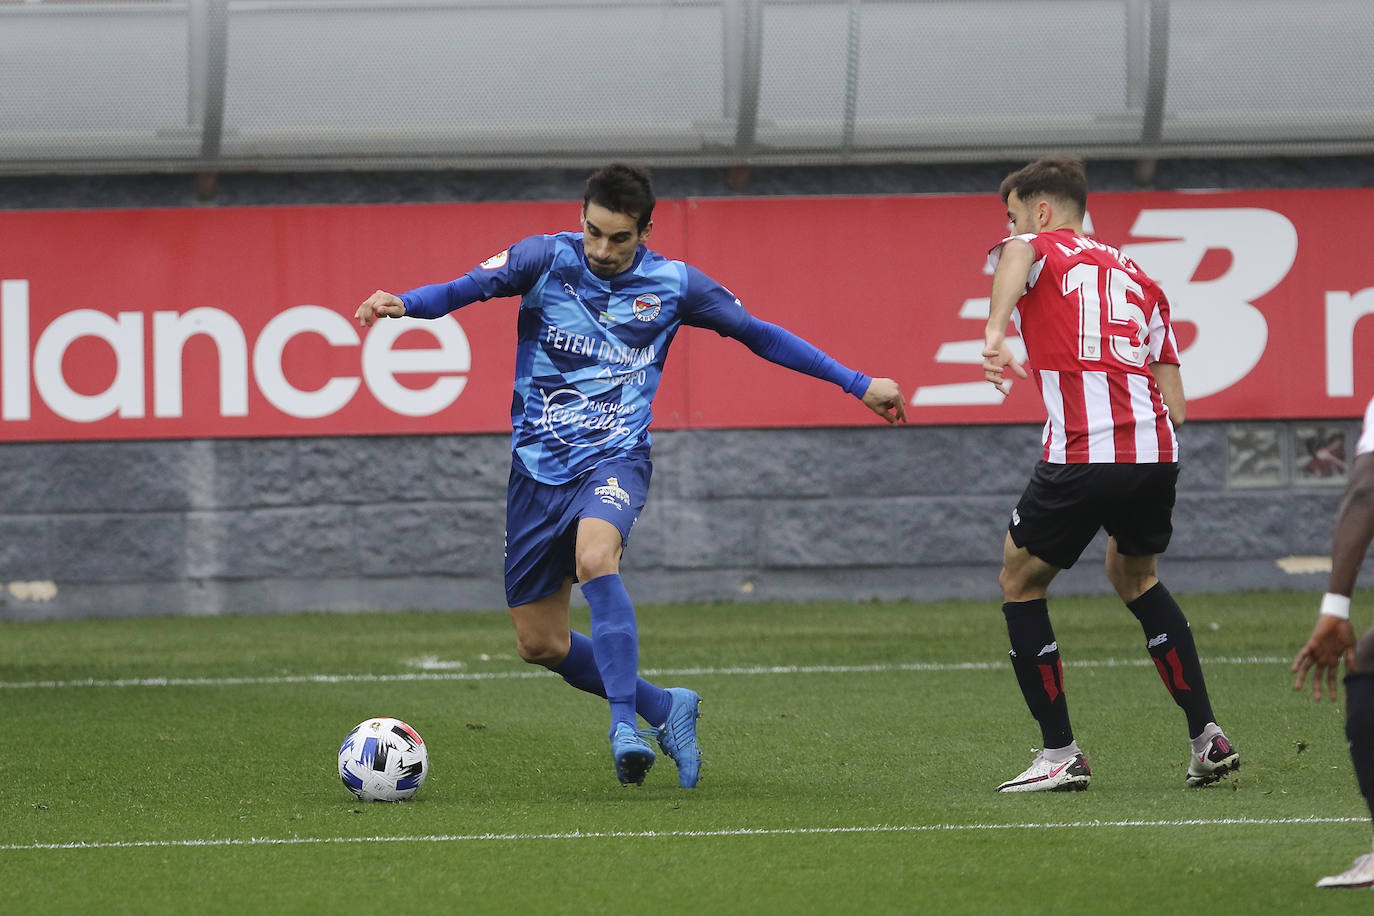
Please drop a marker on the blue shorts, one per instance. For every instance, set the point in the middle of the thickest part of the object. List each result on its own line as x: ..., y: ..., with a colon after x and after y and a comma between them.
x: 541, y: 521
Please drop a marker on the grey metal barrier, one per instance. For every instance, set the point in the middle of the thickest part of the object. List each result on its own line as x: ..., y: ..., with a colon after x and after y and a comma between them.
x: 213, y: 85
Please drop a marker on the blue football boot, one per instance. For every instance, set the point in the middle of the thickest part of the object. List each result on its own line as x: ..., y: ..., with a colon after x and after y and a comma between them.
x: 632, y: 754
x: 678, y: 735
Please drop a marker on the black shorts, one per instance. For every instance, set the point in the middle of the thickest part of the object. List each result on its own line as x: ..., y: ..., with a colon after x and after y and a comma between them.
x: 1064, y: 505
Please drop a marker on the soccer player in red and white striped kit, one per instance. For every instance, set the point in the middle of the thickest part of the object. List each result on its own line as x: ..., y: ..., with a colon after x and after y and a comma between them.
x: 1102, y: 352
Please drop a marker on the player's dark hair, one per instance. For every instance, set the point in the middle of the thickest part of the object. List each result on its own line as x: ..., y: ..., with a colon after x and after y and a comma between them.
x: 622, y: 188
x: 1061, y: 177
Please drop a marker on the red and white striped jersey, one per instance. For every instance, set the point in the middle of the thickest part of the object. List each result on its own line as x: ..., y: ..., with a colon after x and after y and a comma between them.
x: 1092, y: 322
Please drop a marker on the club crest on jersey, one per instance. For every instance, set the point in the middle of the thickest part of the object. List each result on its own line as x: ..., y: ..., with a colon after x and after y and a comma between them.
x: 496, y: 261
x: 612, y: 494
x: 647, y: 306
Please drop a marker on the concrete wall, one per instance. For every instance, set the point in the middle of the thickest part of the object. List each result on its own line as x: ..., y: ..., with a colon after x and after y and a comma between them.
x: 249, y: 525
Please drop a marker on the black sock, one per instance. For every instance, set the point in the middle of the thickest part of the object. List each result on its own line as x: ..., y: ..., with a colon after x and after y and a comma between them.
x: 1359, y: 731
x: 1170, y: 643
x: 1039, y: 669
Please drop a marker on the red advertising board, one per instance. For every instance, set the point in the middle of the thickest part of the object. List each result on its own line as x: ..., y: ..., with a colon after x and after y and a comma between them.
x: 186, y: 323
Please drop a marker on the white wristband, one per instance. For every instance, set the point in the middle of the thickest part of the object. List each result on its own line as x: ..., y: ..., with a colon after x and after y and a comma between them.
x: 1334, y: 605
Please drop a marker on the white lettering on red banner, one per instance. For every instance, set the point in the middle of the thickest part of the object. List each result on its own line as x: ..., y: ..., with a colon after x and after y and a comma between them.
x: 124, y: 397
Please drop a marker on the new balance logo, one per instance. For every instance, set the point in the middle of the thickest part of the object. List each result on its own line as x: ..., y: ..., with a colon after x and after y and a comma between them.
x: 1157, y: 640
x: 1052, y: 647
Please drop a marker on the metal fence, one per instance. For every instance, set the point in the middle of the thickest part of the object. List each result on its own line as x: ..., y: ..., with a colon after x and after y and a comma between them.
x: 208, y: 85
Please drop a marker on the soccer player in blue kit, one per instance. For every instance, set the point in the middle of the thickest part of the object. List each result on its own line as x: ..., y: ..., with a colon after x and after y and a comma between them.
x: 597, y: 312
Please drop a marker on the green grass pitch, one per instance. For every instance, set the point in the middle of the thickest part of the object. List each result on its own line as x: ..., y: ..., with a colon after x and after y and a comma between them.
x: 187, y: 765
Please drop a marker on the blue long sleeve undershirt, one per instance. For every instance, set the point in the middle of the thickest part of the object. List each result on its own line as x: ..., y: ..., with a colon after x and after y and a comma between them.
x: 779, y: 345
x: 438, y: 299
x: 770, y: 341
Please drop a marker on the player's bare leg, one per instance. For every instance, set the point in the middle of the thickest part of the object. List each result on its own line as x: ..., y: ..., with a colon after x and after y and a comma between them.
x: 1024, y: 576
x: 541, y: 628
x: 1130, y: 576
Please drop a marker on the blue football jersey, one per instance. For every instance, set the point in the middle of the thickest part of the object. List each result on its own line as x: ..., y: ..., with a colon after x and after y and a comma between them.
x: 590, y: 350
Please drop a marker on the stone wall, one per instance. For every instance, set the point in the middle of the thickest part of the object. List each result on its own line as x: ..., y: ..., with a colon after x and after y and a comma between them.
x: 342, y: 524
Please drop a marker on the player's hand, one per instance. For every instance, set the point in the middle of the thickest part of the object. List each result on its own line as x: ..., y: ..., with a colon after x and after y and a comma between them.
x: 997, y: 357
x: 884, y: 398
x: 1332, y: 639
x: 379, y: 305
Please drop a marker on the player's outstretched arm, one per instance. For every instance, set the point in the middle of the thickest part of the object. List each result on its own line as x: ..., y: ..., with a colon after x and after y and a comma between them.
x: 380, y: 304
x: 884, y: 397
x: 778, y: 345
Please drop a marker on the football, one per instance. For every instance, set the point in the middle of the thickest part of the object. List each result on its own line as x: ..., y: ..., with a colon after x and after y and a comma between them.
x: 383, y: 759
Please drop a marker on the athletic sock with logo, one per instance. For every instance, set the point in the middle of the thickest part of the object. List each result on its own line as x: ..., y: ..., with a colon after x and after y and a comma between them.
x: 615, y: 643
x: 1170, y: 643
x: 1359, y: 731
x: 579, y: 669
x: 1039, y: 669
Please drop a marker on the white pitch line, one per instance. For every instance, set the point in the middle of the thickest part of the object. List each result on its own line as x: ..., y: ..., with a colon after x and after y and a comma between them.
x: 648, y: 672
x: 689, y: 834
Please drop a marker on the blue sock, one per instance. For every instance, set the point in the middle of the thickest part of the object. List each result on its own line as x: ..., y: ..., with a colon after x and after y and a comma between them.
x: 615, y: 642
x: 579, y: 669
